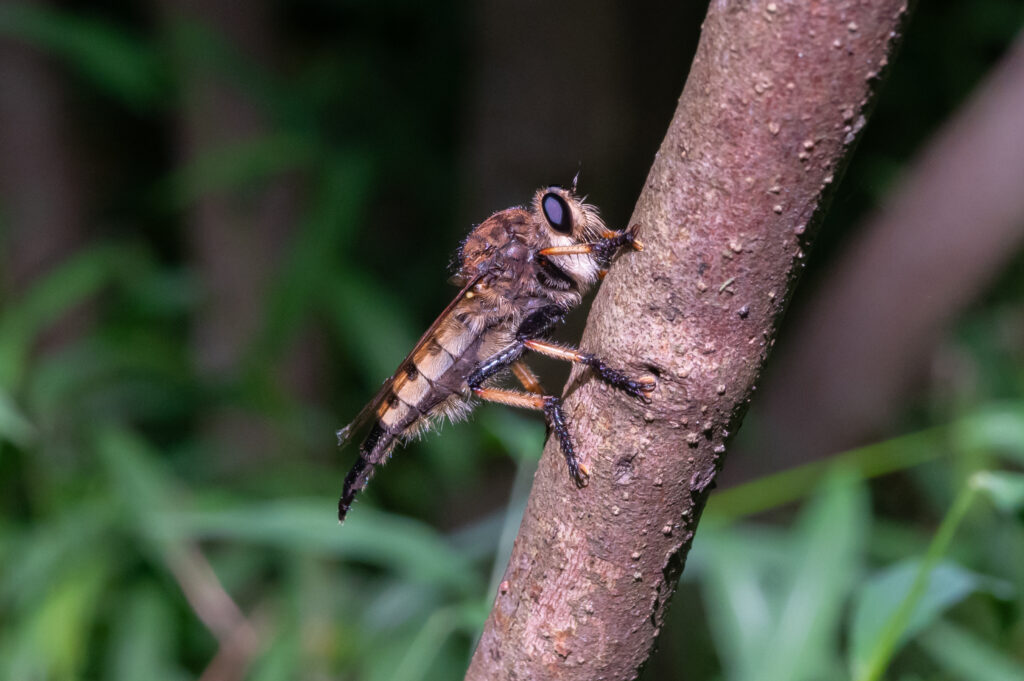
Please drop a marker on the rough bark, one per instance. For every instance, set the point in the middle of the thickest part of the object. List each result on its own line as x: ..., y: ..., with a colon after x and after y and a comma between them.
x: 775, y: 99
x: 952, y: 226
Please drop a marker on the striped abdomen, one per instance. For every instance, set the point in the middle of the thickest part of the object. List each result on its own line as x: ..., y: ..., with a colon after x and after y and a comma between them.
x: 430, y: 383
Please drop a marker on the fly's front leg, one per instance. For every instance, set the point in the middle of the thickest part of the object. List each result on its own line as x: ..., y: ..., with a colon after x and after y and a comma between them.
x: 603, y: 249
x: 637, y: 387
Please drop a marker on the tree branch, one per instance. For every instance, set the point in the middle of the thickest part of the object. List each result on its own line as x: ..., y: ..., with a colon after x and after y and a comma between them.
x: 775, y: 99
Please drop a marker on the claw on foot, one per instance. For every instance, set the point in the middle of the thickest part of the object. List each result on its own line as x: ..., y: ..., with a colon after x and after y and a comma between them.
x: 583, y: 477
x: 647, y: 383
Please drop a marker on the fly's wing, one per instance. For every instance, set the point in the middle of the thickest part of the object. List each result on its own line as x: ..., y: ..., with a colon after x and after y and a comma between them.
x: 368, y: 412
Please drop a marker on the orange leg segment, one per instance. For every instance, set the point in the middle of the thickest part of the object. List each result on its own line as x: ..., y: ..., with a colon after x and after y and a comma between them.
x: 637, y: 387
x: 575, y: 249
x: 512, y: 398
x: 552, y: 408
x: 527, y: 377
x: 554, y: 350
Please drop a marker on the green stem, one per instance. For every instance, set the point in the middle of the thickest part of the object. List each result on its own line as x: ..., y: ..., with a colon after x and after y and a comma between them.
x: 898, y: 621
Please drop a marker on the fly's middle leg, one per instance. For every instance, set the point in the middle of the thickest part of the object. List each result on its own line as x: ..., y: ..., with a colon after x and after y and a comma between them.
x: 637, y: 387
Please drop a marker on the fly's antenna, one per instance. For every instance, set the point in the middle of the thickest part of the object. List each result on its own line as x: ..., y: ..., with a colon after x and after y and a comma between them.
x: 576, y: 177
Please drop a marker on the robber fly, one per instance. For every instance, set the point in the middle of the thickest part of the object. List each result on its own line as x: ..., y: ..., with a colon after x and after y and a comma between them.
x: 521, y: 271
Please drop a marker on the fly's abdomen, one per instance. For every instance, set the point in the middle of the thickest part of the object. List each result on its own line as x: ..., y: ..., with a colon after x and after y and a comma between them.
x: 429, y: 384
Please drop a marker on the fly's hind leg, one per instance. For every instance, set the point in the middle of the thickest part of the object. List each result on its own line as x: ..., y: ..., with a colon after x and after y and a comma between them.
x: 551, y: 406
x: 637, y: 387
x: 537, y: 323
x: 556, y: 421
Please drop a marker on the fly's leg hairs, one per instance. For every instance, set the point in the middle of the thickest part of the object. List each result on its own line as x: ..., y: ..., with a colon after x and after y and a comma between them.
x: 535, y: 324
x: 526, y: 377
x: 551, y: 406
x: 556, y: 421
x: 637, y: 387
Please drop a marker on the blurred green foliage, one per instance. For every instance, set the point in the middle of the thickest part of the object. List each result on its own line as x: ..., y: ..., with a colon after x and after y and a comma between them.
x: 115, y: 492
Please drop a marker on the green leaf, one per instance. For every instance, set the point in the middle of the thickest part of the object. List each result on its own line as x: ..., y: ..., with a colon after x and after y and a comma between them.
x: 964, y: 656
x: 775, y: 606
x: 37, y: 560
x: 791, y: 485
x: 407, y: 547
x: 881, y: 596
x: 424, y: 647
x: 1005, y: 489
x: 997, y: 428
x: 383, y: 335
x: 281, y: 660
x: 123, y: 65
x: 69, y: 284
x: 736, y: 576
x: 870, y: 662
x: 831, y: 535
x: 337, y: 206
x: 142, y: 644
x: 52, y: 643
x: 235, y: 166
x: 142, y: 486
x: 14, y: 426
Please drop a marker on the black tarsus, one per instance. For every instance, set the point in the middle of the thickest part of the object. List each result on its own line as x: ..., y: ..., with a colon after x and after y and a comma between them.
x: 618, y: 379
x: 605, y: 249
x: 556, y: 421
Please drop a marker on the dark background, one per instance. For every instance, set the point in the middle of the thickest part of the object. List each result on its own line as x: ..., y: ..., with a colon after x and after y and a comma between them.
x: 223, y: 224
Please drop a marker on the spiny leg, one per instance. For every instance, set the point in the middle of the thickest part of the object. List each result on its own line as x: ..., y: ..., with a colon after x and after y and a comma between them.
x: 556, y: 420
x: 536, y: 324
x: 637, y: 387
x: 527, y: 377
x: 552, y: 408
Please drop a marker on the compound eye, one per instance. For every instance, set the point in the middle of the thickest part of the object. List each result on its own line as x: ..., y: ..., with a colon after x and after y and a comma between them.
x: 557, y: 213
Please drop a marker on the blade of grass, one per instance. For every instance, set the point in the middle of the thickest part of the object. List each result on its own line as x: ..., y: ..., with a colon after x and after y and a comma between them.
x: 892, y: 633
x: 792, y: 485
x: 871, y: 461
x: 947, y: 585
x: 967, y: 657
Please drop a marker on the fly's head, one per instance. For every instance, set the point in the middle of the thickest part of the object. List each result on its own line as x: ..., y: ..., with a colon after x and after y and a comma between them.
x: 563, y: 219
